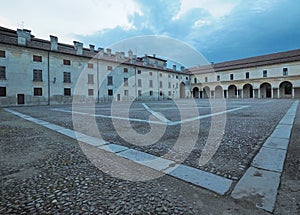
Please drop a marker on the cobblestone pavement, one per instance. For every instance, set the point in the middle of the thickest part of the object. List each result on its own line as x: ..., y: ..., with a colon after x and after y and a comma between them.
x: 43, y: 172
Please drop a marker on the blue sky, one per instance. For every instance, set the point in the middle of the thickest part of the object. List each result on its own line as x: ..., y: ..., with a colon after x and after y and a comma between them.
x: 220, y: 30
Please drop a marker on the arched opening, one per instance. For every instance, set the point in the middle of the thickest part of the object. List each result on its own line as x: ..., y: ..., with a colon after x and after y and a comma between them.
x: 248, y: 91
x: 286, y: 89
x: 232, y: 91
x: 182, y: 90
x: 265, y: 90
x: 218, y: 92
x: 206, y: 92
x: 196, y: 92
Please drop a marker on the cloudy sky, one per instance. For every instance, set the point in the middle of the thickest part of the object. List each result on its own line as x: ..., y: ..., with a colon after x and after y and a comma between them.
x: 220, y: 30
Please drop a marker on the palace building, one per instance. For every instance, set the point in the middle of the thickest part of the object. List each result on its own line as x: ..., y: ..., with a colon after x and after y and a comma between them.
x: 44, y: 72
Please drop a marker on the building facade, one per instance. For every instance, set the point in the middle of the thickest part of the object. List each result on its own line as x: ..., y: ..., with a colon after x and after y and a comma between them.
x: 41, y: 72
x: 269, y: 76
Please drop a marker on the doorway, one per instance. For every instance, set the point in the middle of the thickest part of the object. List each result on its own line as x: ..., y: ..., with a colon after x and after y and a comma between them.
x: 21, y: 99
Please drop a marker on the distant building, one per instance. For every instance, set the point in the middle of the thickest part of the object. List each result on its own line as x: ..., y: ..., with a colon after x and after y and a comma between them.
x: 40, y: 72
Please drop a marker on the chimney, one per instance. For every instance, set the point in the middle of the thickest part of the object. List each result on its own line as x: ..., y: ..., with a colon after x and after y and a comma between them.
x: 145, y: 60
x: 108, y: 51
x: 182, y: 68
x: 154, y: 55
x: 133, y: 60
x: 23, y: 36
x: 78, y: 47
x: 118, y: 56
x: 92, y: 48
x: 130, y: 54
x: 100, y: 52
x: 54, y: 43
x: 174, y: 67
x: 122, y: 55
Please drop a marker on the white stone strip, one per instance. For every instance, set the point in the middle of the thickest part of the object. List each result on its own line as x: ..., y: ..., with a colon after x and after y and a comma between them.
x: 192, y: 175
x: 157, y: 115
x: 261, y: 181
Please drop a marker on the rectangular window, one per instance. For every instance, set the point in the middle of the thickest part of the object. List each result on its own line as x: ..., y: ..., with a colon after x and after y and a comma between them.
x: 285, y: 71
x: 110, y: 92
x: 37, y: 58
x: 139, y: 93
x: 37, y: 75
x: 90, y: 79
x: 160, y: 93
x: 66, y: 62
x: 160, y: 84
x: 126, y: 82
x: 151, y: 93
x: 139, y: 82
x: 139, y: 72
x: 206, y: 79
x: 176, y: 85
x: 90, y: 92
x: 170, y: 93
x: 169, y: 85
x: 150, y: 83
x: 150, y: 73
x: 218, y: 78
x: 126, y: 70
x: 231, y: 77
x: 109, y: 67
x: 67, y: 91
x: 160, y: 74
x: 169, y: 76
x: 2, y: 91
x: 38, y: 91
x: 265, y: 73
x: 195, y: 80
x: 247, y: 75
x: 67, y: 77
x: 109, y: 80
x: 2, y: 72
x: 2, y: 54
x: 186, y: 78
x: 126, y: 93
x: 90, y: 65
x: 176, y: 76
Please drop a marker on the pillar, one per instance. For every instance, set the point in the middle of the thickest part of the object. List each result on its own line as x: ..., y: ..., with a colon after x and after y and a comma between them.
x: 242, y: 91
x: 293, y: 92
x: 278, y: 93
x: 253, y: 92
x: 271, y: 92
x: 258, y: 93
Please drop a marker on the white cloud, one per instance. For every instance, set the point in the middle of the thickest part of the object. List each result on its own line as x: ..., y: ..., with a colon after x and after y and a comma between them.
x: 65, y: 18
x: 216, y: 8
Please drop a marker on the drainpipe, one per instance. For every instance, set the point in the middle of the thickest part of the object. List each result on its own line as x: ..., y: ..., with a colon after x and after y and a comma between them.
x: 98, y: 96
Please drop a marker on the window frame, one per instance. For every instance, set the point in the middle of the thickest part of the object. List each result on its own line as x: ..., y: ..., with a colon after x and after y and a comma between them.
x: 37, y: 91
x: 67, y: 77
x: 3, y: 71
x: 37, y: 75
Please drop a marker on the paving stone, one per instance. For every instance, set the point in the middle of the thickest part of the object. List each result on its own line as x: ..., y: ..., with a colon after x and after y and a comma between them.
x: 258, y: 186
x: 282, y: 131
x: 113, y: 148
x: 138, y: 156
x: 287, y: 120
x: 92, y: 140
x: 278, y: 143
x: 203, y: 179
x: 70, y: 133
x: 270, y: 159
x: 53, y: 127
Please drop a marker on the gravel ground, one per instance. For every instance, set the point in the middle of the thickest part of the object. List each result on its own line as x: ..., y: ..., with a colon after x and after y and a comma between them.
x: 245, y: 131
x: 43, y: 172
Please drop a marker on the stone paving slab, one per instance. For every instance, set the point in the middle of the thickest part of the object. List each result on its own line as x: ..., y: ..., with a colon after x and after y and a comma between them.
x: 278, y: 143
x: 284, y: 131
x: 270, y: 159
x: 92, y: 140
x: 53, y: 127
x: 146, y: 159
x: 198, y: 177
x: 70, y: 133
x: 260, y: 186
x: 114, y: 148
x: 287, y: 120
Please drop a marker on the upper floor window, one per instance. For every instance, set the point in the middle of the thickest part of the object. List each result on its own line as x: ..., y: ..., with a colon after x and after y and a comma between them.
x: 285, y: 71
x: 231, y: 77
x: 125, y: 81
x: 109, y: 67
x: 90, y: 65
x: 186, y: 78
x: 160, y: 84
x: 150, y: 83
x: 139, y: 71
x: 265, y: 73
x: 206, y: 79
x: 139, y: 82
x: 66, y: 62
x: 90, y: 79
x: 126, y: 70
x: 109, y: 80
x: 247, y: 75
x: 37, y: 75
x: 218, y: 78
x: 90, y: 92
x: 195, y: 80
x: 150, y: 73
x: 2, y: 91
x: 110, y: 92
x: 38, y: 91
x: 169, y: 85
x: 67, y: 77
x: 2, y: 53
x: 67, y: 92
x: 2, y: 72
x: 37, y: 58
x: 160, y: 74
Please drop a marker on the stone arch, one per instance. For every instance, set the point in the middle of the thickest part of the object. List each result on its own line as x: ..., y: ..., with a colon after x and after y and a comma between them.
x: 182, y: 90
x: 248, y: 91
x: 196, y: 92
x: 206, y: 92
x: 232, y: 91
x: 265, y: 90
x: 218, y: 92
x: 285, y: 89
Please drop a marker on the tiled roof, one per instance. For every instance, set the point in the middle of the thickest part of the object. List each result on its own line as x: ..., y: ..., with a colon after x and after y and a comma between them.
x: 264, y: 60
x: 8, y: 36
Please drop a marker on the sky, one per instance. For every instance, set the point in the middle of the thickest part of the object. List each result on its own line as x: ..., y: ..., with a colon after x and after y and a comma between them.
x: 220, y: 30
